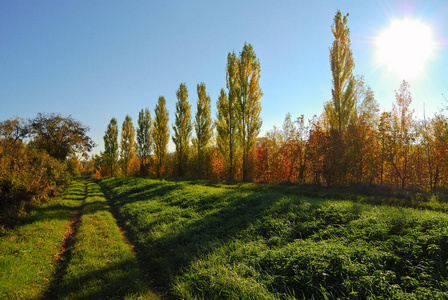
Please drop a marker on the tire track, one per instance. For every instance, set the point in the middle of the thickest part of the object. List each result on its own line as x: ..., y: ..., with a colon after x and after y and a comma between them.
x: 64, y: 256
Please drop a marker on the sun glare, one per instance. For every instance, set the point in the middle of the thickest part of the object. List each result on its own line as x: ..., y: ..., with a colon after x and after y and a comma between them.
x: 404, y: 47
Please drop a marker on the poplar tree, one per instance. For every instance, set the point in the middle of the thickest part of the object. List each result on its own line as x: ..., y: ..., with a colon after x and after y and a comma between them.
x: 144, y: 140
x: 161, y: 135
x: 339, y: 110
x: 203, y: 126
x: 182, y: 129
x: 127, y: 144
x: 249, y: 105
x: 227, y: 132
x: 228, y: 122
x: 111, y: 146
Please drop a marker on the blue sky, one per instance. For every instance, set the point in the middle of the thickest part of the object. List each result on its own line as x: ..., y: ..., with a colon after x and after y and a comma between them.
x: 95, y: 60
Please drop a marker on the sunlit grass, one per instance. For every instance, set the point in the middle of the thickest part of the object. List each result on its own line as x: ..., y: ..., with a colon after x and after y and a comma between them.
x: 100, y: 264
x: 103, y: 263
x: 205, y: 240
x: 28, y: 252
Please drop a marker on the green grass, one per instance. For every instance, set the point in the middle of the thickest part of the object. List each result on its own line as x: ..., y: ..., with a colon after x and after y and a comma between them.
x: 27, y: 252
x: 206, y: 241
x: 70, y: 248
x: 102, y: 263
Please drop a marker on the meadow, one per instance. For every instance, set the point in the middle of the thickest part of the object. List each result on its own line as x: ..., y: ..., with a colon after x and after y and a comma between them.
x: 212, y: 240
x: 204, y: 240
x: 70, y: 248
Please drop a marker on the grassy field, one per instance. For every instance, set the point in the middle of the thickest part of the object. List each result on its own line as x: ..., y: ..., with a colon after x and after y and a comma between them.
x: 204, y: 241
x: 70, y: 248
x: 28, y: 252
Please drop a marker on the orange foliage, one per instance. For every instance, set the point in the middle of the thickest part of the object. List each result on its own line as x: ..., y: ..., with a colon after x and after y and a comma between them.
x: 217, y: 164
x: 27, y: 177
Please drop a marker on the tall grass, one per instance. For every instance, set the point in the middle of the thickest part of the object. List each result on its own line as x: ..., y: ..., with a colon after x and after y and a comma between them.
x: 221, y: 241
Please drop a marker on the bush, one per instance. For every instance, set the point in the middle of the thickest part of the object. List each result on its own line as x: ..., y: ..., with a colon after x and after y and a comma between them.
x: 27, y: 178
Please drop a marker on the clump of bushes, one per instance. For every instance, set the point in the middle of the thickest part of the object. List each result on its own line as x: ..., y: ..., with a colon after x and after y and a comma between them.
x: 27, y: 178
x: 34, y: 170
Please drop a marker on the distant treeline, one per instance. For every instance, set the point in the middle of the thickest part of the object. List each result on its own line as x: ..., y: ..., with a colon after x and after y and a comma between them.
x: 349, y: 143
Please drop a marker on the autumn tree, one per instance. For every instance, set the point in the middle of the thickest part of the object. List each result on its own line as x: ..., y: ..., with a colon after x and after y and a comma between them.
x: 182, y: 129
x: 385, y: 144
x: 28, y: 177
x: 111, y: 146
x: 282, y: 155
x: 228, y: 117
x: 60, y: 136
x: 319, y: 150
x: 262, y: 163
x: 340, y: 108
x: 13, y: 130
x: 273, y: 171
x: 223, y: 129
x: 144, y: 140
x: 249, y: 105
x: 361, y: 137
x: 216, y: 164
x: 127, y: 144
x: 439, y: 130
x: 161, y: 135
x: 402, y: 125
x: 283, y: 150
x: 203, y: 126
x: 300, y: 143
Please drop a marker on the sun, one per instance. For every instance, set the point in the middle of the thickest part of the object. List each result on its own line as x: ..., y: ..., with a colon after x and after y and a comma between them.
x: 405, y: 47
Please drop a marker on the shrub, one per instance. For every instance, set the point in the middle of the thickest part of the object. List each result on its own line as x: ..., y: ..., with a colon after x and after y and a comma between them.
x: 27, y: 178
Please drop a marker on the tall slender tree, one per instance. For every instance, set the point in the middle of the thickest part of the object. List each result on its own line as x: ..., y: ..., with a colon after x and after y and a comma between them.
x: 111, y: 146
x: 161, y: 135
x: 249, y: 104
x: 227, y: 132
x: 203, y: 126
x: 228, y: 116
x: 144, y: 140
x: 340, y: 108
x: 127, y: 144
x: 182, y: 129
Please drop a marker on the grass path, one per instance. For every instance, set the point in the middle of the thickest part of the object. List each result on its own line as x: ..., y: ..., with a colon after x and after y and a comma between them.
x: 70, y: 248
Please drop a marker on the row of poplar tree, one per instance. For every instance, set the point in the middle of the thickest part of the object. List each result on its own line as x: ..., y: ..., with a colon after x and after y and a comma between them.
x: 350, y: 142
x: 237, y: 126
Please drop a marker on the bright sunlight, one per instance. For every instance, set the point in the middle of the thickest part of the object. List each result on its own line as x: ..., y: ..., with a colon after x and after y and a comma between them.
x: 405, y: 47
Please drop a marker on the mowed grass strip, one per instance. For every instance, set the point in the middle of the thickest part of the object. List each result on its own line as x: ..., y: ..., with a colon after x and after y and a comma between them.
x: 102, y: 264
x: 30, y: 251
x: 235, y: 242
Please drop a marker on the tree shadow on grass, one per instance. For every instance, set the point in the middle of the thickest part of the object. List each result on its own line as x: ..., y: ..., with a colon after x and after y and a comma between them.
x: 135, y: 191
x: 223, y: 217
x: 116, y: 281
x: 59, y: 211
